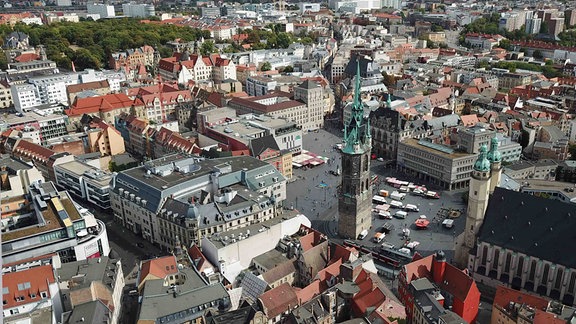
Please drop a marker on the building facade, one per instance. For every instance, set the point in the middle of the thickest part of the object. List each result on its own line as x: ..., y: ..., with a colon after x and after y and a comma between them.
x: 58, y: 226
x: 85, y: 182
x: 436, y: 163
x: 188, y: 190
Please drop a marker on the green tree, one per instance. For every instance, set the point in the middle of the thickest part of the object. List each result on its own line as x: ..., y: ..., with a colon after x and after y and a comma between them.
x: 437, y: 28
x: 207, y: 48
x: 288, y: 69
x: 284, y: 40
x: 506, y: 44
x: 389, y: 80
x: 537, y: 54
x: 483, y: 64
x: 572, y: 151
x: 266, y: 66
x: 3, y: 60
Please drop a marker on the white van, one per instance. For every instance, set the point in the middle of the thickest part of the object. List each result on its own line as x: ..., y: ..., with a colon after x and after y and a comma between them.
x: 400, y: 214
x: 397, y: 195
x: 411, y: 208
x: 363, y: 234
x: 396, y: 204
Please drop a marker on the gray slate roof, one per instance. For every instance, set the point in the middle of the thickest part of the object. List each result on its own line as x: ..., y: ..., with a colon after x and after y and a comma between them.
x: 158, y: 300
x: 539, y: 227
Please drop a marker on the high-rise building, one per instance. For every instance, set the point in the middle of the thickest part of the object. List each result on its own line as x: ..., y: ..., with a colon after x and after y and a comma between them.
x: 555, y: 26
x: 104, y: 10
x: 533, y: 25
x: 570, y: 16
x: 138, y: 10
x: 354, y: 202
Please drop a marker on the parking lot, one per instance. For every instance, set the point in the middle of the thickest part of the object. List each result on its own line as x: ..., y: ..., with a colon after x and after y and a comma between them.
x: 314, y: 193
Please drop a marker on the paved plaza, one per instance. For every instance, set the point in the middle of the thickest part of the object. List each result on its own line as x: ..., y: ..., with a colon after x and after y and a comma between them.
x: 313, y: 192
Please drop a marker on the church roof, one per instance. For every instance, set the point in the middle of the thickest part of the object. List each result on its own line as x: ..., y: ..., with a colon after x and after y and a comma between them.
x: 538, y: 227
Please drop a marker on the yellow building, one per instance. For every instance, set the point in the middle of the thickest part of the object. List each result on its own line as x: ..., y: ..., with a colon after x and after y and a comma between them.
x: 106, y: 140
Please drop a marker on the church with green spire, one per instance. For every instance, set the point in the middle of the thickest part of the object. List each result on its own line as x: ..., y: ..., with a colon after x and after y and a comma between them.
x: 354, y: 204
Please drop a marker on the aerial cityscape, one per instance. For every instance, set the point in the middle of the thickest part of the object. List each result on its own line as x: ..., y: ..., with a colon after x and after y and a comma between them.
x: 348, y: 161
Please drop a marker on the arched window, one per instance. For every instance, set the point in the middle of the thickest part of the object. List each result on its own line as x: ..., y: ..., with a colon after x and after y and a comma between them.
x: 520, y: 266
x: 532, y: 270
x: 484, y: 255
x: 496, y: 259
x: 508, y: 262
x: 559, y: 275
x: 545, y: 274
x: 572, y: 283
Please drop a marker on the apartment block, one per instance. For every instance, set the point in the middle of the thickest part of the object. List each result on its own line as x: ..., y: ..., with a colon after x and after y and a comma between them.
x: 188, y: 190
x: 85, y: 182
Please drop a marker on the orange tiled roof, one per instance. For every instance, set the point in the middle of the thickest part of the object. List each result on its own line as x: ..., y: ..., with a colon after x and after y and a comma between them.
x: 32, y: 151
x: 506, y: 295
x: 26, y: 57
x: 25, y: 284
x: 278, y: 300
x: 159, y: 267
x: 97, y: 104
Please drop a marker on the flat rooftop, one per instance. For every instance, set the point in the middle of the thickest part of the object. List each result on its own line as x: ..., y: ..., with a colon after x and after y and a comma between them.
x: 254, y: 228
x: 270, y: 259
x: 82, y: 169
x: 549, y: 185
x: 51, y: 220
x: 204, y: 168
x: 436, y: 149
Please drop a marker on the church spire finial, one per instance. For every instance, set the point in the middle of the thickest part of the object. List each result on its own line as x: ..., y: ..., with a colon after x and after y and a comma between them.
x: 482, y: 164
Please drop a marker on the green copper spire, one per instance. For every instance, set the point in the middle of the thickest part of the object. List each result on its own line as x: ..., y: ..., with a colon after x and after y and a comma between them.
x: 494, y: 155
x: 357, y: 132
x: 389, y: 101
x: 482, y: 164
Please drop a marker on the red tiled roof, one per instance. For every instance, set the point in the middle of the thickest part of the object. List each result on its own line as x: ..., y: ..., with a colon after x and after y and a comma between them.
x: 37, y: 278
x: 373, y: 298
x: 159, y: 267
x: 97, y: 104
x: 506, y: 295
x: 26, y: 57
x: 456, y: 282
x: 198, y: 258
x: 307, y: 293
x: 469, y: 120
x: 341, y: 253
x: 278, y: 300
x: 32, y: 151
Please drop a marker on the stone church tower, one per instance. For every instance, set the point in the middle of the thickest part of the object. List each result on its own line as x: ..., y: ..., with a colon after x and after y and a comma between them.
x: 354, y: 204
x: 477, y: 202
x: 495, y: 158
